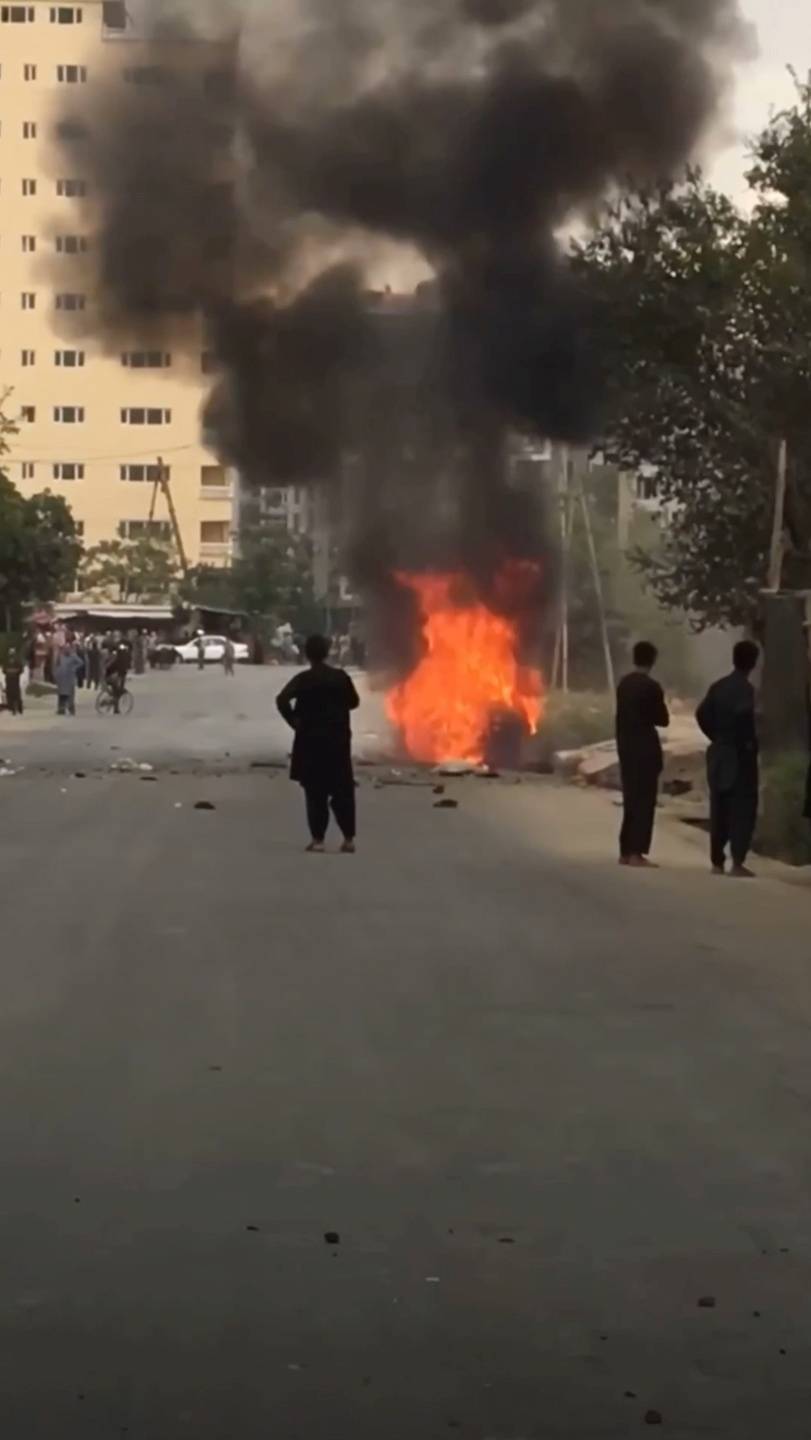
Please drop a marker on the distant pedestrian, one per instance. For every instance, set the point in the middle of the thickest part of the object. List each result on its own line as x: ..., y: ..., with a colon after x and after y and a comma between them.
x: 115, y: 674
x: 228, y: 656
x: 201, y: 652
x: 66, y: 671
x: 641, y: 713
x: 727, y: 717
x: 12, y: 675
x: 317, y: 704
x: 139, y: 652
x: 94, y: 662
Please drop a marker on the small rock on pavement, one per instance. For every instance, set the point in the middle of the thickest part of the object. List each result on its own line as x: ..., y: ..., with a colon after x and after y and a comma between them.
x: 147, y: 769
x: 653, y: 1417
x: 79, y: 775
x: 446, y: 805
x: 707, y: 1302
x: 332, y: 1237
x: 204, y: 805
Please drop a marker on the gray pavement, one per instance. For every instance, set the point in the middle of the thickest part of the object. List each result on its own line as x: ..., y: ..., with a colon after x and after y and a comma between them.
x: 181, y: 717
x: 547, y: 1105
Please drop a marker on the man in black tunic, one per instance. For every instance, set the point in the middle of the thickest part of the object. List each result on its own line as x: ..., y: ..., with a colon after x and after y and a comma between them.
x: 727, y: 717
x: 641, y: 709
x: 317, y: 705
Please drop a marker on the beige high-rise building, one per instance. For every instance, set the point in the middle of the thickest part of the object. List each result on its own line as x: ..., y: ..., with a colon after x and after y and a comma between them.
x: 92, y: 424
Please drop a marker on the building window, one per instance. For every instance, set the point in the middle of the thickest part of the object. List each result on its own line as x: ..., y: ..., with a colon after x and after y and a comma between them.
x: 214, y: 532
x: 29, y: 244
x: 145, y: 529
x: 139, y: 416
x: 71, y: 74
x: 69, y: 359
x: 65, y: 15
x: 69, y: 414
x: 29, y: 72
x: 70, y: 302
x: 114, y: 14
x: 71, y: 244
x: 213, y: 477
x: 27, y: 469
x: 28, y: 414
x: 29, y: 187
x: 28, y: 300
x: 146, y: 359
x: 71, y: 130
x: 68, y: 470
x: 71, y: 187
x: 148, y: 473
x: 16, y: 14
x: 29, y: 358
x: 146, y: 75
x: 29, y: 129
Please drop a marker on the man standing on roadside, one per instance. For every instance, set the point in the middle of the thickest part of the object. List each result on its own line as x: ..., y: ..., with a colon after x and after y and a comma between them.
x: 13, y: 674
x: 727, y: 717
x: 641, y: 712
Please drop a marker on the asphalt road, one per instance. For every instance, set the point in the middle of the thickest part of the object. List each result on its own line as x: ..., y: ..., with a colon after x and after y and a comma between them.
x: 547, y: 1105
x: 182, y: 717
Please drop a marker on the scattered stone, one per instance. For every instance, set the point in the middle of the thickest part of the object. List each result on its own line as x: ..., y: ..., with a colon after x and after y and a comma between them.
x: 332, y: 1237
x: 80, y: 775
x: 178, y: 805
x: 439, y: 789
x: 707, y: 1302
x: 6, y: 770
x: 784, y: 1352
x: 454, y: 767
x: 204, y: 805
x: 432, y: 1279
x: 653, y: 1417
x: 756, y: 1314
x: 253, y: 1229
x: 151, y: 779
x: 215, y: 1069
x: 630, y: 1395
x: 147, y: 769
x: 446, y: 805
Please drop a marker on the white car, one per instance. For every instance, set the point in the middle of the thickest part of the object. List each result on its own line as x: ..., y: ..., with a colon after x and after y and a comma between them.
x: 214, y: 648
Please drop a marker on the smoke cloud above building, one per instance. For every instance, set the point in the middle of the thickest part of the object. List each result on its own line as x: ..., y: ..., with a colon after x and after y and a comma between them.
x: 466, y: 133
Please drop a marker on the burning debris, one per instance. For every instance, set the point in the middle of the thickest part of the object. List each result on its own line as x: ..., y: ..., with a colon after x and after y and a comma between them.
x: 437, y: 144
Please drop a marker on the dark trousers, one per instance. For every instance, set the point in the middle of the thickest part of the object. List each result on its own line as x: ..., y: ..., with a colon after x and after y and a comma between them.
x: 14, y: 698
x: 640, y: 788
x: 733, y: 816
x: 341, y: 795
x: 66, y: 705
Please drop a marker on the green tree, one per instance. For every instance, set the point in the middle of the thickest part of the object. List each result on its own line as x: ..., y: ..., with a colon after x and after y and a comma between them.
x: 703, y: 318
x: 271, y: 575
x: 143, y: 569
x: 39, y: 547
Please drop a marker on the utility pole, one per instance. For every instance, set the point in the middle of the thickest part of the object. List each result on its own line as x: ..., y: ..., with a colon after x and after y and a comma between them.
x: 598, y: 587
x: 777, y: 545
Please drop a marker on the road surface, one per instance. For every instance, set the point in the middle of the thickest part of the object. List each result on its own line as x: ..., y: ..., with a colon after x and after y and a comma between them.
x: 181, y: 717
x: 548, y: 1106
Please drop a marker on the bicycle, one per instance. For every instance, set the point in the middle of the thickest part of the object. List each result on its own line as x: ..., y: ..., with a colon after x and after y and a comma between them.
x: 105, y: 701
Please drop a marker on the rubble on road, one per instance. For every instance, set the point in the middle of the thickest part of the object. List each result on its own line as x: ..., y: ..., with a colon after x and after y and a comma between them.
x: 446, y: 805
x: 204, y: 805
x: 684, y: 749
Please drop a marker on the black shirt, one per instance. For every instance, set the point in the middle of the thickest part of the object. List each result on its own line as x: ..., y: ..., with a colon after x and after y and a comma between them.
x: 641, y: 709
x: 317, y: 705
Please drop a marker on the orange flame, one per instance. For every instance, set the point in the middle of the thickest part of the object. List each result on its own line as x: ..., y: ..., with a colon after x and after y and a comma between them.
x: 470, y: 672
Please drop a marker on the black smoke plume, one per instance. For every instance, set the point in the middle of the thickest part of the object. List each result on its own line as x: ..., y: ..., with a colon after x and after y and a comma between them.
x: 248, y: 181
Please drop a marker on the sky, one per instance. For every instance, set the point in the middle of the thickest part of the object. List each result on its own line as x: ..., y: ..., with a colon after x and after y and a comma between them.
x: 763, y: 85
